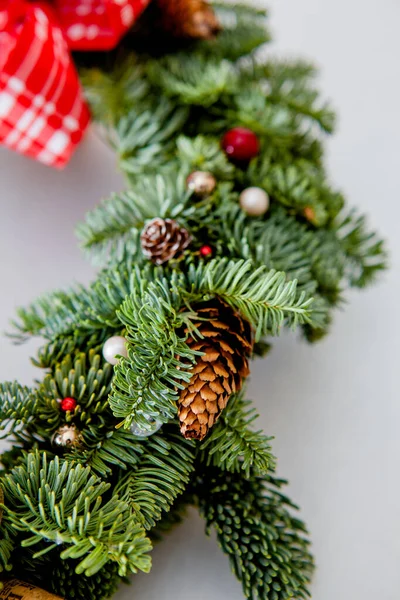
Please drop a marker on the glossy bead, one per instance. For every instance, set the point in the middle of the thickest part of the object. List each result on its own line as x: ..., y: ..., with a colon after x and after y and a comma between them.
x: 202, y: 183
x: 68, y: 404
x: 67, y: 436
x: 140, y: 431
x: 206, y: 250
x: 254, y: 201
x: 114, y: 347
x: 240, y: 144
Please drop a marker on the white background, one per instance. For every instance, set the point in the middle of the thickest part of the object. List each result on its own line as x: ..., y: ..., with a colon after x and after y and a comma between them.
x: 333, y: 408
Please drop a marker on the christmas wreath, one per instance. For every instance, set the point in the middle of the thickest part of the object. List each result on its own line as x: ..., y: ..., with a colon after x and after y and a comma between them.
x: 228, y: 231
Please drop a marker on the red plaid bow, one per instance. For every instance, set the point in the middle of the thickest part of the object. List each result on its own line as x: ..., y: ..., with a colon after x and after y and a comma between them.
x: 42, y: 110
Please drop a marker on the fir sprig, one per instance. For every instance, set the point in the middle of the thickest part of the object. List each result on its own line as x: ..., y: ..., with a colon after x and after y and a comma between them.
x: 62, y: 504
x: 267, y: 546
x: 17, y: 405
x: 264, y: 297
x: 146, y: 382
x: 161, y: 475
x: 234, y: 445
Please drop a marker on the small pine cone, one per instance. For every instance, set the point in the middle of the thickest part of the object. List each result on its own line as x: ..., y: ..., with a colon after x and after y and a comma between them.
x: 188, y: 18
x: 163, y: 239
x: 226, y: 343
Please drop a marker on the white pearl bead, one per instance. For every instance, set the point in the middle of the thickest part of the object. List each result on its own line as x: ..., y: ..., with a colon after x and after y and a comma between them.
x: 115, y: 346
x: 254, y: 201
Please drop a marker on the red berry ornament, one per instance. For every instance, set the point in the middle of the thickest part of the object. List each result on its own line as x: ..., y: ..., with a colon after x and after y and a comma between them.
x: 240, y: 144
x: 206, y: 250
x: 68, y: 404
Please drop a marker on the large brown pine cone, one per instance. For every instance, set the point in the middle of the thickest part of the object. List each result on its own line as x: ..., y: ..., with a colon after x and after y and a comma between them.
x: 227, y: 343
x: 163, y: 239
x: 188, y: 18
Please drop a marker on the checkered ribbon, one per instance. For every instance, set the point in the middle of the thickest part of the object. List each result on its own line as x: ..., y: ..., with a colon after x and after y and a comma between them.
x: 42, y: 110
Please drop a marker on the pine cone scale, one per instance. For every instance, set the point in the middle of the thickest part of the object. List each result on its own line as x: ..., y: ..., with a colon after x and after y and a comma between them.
x: 226, y: 343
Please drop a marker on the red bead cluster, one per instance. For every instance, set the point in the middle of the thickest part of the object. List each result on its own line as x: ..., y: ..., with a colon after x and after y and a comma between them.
x: 240, y: 144
x: 68, y: 404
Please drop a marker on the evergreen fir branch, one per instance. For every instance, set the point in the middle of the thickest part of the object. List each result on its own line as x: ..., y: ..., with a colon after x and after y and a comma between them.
x: 293, y: 71
x: 102, y: 584
x: 290, y: 84
x: 193, y: 79
x: 233, y: 445
x: 365, y: 252
x: 296, y: 92
x: 265, y: 543
x: 251, y: 109
x: 304, y: 103
x: 60, y: 503
x: 54, y: 351
x: 17, y: 406
x: 280, y: 242
x: 169, y: 520
x: 161, y: 475
x: 144, y: 136
x: 204, y: 154
x: 78, y: 310
x: 264, y: 297
x: 6, y: 550
x: 146, y: 383
x: 59, y: 576
x: 243, y: 31
x: 314, y: 258
x: 328, y: 266
x: 86, y: 377
x: 112, y: 93
x: 297, y: 187
x: 112, y: 230
x: 119, y: 449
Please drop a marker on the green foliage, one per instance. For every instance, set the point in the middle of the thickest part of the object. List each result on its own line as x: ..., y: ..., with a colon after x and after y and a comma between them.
x: 68, y: 584
x: 255, y: 526
x: 117, y: 449
x: 240, y: 36
x: 112, y: 92
x: 112, y: 229
x: 204, y: 153
x: 146, y: 382
x: 161, y: 475
x: 59, y: 576
x: 366, y: 254
x: 291, y: 85
x: 194, y: 79
x: 297, y: 187
x: 233, y: 445
x: 79, y: 309
x: 264, y: 297
x: 6, y: 548
x: 17, y: 404
x: 140, y: 138
x: 63, y: 504
x: 84, y: 377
